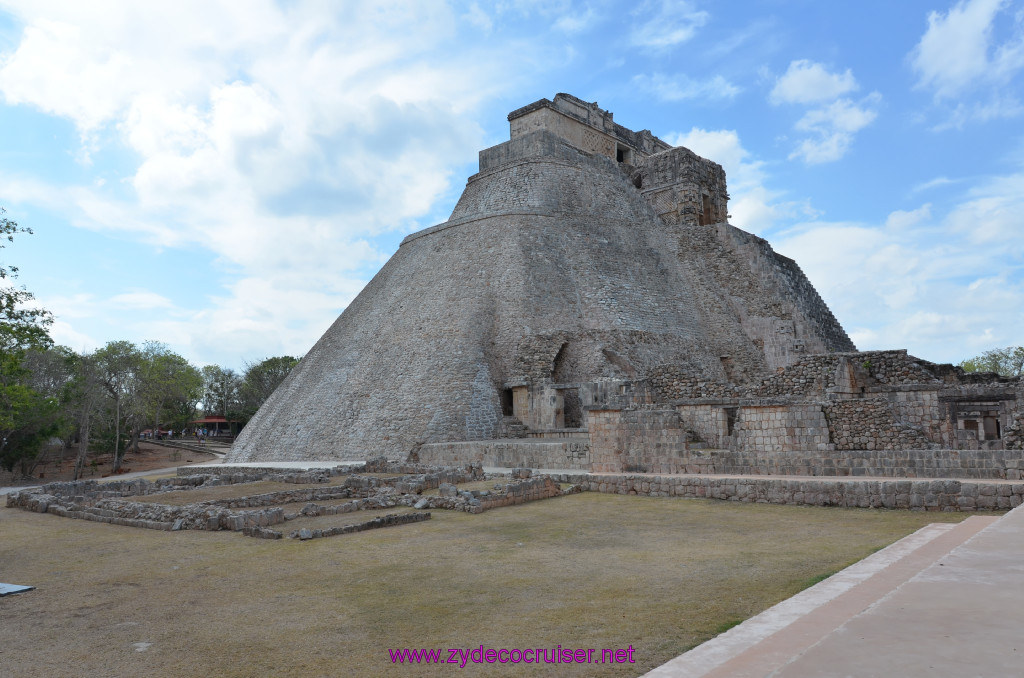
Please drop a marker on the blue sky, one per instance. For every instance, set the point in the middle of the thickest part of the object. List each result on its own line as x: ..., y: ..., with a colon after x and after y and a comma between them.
x: 226, y: 176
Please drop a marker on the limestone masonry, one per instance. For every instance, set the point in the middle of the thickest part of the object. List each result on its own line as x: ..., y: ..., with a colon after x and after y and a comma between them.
x: 587, y: 306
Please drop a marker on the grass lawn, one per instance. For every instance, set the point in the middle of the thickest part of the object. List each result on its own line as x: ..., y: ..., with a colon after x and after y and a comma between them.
x: 583, y: 571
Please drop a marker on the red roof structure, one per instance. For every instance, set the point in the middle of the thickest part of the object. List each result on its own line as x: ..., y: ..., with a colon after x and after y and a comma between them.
x: 216, y: 423
x: 214, y: 419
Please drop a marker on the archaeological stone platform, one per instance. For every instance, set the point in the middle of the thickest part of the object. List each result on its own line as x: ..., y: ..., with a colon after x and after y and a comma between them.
x: 588, y: 306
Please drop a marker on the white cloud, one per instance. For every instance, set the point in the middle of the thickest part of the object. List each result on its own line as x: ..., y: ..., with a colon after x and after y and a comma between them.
x: 578, y: 21
x: 282, y: 137
x: 478, y: 17
x: 64, y: 334
x: 80, y: 305
x: 681, y: 87
x: 662, y: 24
x: 141, y: 299
x: 900, y: 219
x: 88, y: 61
x: 235, y: 325
x: 921, y: 278
x: 564, y: 16
x: 1000, y: 106
x: 830, y: 127
x: 752, y: 206
x: 937, y: 182
x: 808, y: 82
x: 833, y: 128
x: 956, y: 52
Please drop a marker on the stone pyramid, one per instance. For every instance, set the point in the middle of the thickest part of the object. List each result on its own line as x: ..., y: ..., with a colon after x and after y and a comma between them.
x: 581, y: 256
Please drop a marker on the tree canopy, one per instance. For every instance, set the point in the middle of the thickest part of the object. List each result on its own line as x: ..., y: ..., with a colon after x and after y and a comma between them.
x: 261, y: 379
x: 106, y: 398
x: 28, y: 416
x: 1008, y: 361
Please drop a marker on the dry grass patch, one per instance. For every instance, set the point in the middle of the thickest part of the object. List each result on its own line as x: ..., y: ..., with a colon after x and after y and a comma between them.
x: 588, y: 570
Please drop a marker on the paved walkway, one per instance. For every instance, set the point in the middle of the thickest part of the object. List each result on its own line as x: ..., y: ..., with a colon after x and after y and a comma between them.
x: 945, y: 601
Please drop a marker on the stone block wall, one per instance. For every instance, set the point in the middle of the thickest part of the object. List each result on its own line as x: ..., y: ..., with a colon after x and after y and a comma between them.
x: 533, y: 489
x: 921, y: 409
x: 560, y: 453
x: 871, y: 424
x: 782, y: 428
x: 817, y: 373
x: 673, y: 382
x: 989, y: 464
x: 708, y: 422
x: 642, y: 441
x: 917, y: 495
x: 1013, y: 435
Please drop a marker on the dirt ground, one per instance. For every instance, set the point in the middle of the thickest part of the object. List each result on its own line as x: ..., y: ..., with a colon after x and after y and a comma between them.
x: 583, y: 571
x: 62, y: 466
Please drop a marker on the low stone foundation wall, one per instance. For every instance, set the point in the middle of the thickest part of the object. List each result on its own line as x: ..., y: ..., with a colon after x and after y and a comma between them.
x: 981, y: 464
x: 466, y: 468
x: 383, y: 521
x: 477, y: 501
x: 561, y: 453
x: 92, y: 489
x: 366, y: 504
x: 246, y: 474
x: 110, y: 502
x: 283, y: 497
x: 524, y: 491
x: 146, y: 514
x: 920, y: 495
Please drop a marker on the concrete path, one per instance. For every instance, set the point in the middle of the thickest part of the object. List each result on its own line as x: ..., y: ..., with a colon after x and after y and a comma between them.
x: 945, y: 601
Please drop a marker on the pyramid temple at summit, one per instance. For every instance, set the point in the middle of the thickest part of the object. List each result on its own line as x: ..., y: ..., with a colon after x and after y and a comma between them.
x: 587, y: 305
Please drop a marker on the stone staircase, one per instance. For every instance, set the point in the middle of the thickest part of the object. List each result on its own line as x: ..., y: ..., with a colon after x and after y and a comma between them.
x: 210, y: 446
x: 512, y: 427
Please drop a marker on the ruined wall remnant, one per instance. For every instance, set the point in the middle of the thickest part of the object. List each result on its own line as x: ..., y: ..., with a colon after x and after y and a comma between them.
x: 871, y: 424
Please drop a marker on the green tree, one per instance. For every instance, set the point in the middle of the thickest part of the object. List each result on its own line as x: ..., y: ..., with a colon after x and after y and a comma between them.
x: 1008, y: 361
x: 86, y: 394
x: 261, y: 379
x: 222, y: 390
x: 170, y: 386
x: 26, y: 415
x: 21, y: 328
x: 120, y: 364
x: 52, y: 374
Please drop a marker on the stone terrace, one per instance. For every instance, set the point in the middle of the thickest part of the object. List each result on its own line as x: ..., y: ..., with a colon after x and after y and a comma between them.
x: 135, y: 503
